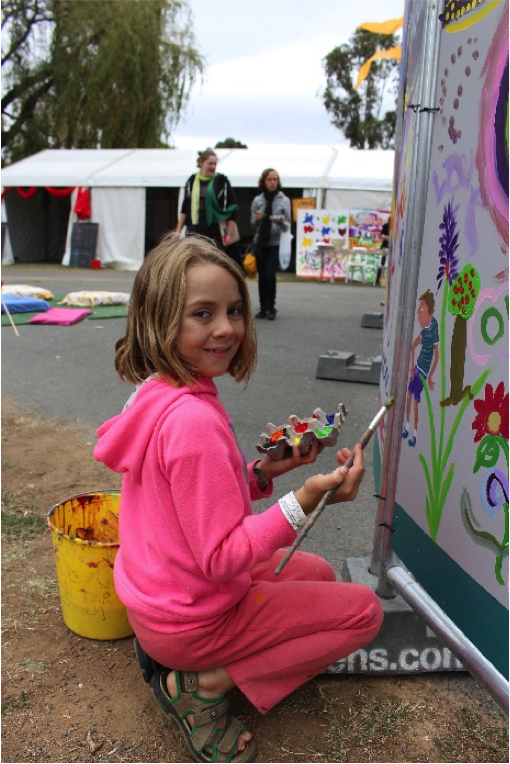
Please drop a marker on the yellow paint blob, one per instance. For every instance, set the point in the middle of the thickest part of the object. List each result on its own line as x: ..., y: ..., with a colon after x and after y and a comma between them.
x: 494, y: 422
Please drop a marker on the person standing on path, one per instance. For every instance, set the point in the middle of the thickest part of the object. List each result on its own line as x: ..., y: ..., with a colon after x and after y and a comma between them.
x: 270, y: 216
x: 209, y: 200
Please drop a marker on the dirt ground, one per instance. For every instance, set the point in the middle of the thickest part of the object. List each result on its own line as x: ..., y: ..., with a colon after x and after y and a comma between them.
x: 70, y: 699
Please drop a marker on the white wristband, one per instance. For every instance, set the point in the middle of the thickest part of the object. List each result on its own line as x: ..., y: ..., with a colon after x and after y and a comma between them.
x: 291, y: 508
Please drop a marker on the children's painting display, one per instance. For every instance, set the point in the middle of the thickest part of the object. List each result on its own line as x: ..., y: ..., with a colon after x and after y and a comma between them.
x: 324, y: 227
x: 316, y: 229
x: 365, y: 227
x: 451, y: 523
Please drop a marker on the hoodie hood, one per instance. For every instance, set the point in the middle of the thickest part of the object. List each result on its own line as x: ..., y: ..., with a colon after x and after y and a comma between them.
x: 123, y: 440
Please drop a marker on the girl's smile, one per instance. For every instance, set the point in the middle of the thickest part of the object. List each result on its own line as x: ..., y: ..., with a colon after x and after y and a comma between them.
x: 212, y: 325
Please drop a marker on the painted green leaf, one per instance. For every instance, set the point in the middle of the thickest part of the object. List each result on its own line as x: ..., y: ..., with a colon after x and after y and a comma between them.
x: 487, y: 453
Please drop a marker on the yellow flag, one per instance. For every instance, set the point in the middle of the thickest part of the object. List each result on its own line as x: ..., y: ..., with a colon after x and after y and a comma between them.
x: 391, y: 53
x: 383, y: 27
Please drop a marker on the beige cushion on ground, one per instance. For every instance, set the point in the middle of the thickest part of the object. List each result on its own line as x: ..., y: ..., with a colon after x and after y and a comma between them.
x: 22, y: 290
x: 90, y: 299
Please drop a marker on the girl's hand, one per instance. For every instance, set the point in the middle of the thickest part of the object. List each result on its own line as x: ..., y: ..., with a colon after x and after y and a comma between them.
x: 346, y: 480
x: 273, y: 469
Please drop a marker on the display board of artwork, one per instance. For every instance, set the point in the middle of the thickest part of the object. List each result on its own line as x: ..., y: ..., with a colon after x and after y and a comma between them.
x: 365, y: 227
x: 320, y: 226
x: 338, y: 228
x: 451, y: 522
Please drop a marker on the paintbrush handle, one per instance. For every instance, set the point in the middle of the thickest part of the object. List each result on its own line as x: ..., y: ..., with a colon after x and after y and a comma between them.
x: 312, y: 517
x: 10, y: 317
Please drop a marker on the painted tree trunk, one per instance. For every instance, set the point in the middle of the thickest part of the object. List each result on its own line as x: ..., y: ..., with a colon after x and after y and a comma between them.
x: 457, y: 361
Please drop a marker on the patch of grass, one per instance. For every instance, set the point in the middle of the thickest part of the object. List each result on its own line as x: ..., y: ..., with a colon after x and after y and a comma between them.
x: 35, y: 667
x: 22, y: 526
x: 474, y: 740
x: 306, y: 698
x: 367, y: 724
x: 20, y: 518
x: 13, y: 504
x: 11, y: 703
x: 42, y: 587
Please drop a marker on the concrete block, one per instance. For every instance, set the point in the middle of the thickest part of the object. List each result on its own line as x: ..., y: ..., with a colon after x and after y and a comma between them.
x: 372, y: 320
x: 404, y: 644
x: 343, y: 366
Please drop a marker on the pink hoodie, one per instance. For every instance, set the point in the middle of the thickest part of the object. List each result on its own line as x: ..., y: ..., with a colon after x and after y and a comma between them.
x: 188, y: 538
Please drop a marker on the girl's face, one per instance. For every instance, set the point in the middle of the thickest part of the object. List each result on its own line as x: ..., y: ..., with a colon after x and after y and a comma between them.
x: 271, y: 181
x: 208, y: 166
x: 212, y: 324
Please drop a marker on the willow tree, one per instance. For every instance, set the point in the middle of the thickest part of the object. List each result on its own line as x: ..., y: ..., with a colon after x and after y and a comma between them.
x: 101, y: 73
x: 360, y: 114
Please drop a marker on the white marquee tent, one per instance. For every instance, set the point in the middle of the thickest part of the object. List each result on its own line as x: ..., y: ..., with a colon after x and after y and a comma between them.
x: 133, y: 190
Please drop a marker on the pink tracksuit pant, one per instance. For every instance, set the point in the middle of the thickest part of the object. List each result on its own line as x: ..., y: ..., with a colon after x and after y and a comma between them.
x: 286, y: 630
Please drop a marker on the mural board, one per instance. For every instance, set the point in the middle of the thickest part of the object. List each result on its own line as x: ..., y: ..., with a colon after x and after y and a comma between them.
x: 451, y: 518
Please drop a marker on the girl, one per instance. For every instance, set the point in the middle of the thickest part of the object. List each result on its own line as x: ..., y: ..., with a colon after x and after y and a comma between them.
x: 270, y: 215
x: 195, y: 566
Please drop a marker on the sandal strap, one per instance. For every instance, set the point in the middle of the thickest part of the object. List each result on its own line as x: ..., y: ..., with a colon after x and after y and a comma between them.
x: 205, y: 711
x: 210, y: 713
x: 228, y: 739
x: 223, y: 740
x: 188, y: 680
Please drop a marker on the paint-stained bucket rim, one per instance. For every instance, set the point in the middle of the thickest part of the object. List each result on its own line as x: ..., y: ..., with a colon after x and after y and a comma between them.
x: 76, y: 539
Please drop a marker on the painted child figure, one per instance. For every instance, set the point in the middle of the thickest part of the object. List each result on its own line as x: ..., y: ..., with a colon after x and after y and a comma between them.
x: 427, y: 360
x: 195, y: 568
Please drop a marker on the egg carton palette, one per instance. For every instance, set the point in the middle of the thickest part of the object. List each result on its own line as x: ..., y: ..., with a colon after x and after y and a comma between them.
x: 279, y: 441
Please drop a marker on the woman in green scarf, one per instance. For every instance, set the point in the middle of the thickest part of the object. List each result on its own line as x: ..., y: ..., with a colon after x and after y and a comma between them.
x: 209, y: 201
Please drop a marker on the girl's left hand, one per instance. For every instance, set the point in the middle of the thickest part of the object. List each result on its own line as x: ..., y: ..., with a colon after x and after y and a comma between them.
x: 273, y: 469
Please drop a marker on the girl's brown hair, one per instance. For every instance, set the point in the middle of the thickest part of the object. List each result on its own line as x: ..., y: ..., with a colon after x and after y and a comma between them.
x: 150, y: 345
x: 262, y: 179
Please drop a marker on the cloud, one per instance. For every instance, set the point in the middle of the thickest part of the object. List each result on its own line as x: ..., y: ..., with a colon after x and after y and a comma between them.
x: 289, y: 70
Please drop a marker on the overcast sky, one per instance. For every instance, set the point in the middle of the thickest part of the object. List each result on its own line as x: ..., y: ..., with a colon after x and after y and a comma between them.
x: 263, y: 68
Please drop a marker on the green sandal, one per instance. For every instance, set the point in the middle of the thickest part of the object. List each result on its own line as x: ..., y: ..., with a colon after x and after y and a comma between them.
x: 206, y: 713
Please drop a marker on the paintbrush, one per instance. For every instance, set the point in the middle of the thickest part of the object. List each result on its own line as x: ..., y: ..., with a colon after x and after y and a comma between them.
x: 9, y: 317
x: 312, y: 517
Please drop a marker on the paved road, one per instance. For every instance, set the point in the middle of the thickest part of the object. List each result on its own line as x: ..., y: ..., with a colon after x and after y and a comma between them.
x: 67, y: 372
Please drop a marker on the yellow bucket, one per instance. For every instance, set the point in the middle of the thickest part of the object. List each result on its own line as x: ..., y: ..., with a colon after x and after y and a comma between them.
x: 85, y: 538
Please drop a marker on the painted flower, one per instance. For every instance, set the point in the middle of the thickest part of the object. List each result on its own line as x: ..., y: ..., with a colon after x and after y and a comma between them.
x: 449, y: 241
x: 492, y: 413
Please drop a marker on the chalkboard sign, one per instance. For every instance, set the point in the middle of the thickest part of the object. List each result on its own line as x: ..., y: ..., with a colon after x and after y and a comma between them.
x: 83, y: 244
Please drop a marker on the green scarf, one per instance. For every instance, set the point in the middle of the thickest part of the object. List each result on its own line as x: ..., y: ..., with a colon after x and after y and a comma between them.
x: 213, y: 212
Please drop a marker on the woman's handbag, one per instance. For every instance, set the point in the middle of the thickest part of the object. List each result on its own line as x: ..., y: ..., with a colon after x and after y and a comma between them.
x: 250, y: 265
x: 285, y: 249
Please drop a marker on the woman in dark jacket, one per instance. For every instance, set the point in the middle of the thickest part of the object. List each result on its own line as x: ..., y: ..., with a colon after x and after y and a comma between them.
x: 270, y: 215
x: 209, y: 201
